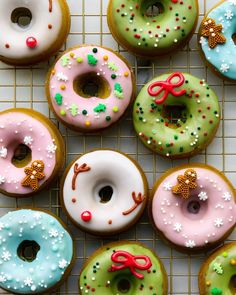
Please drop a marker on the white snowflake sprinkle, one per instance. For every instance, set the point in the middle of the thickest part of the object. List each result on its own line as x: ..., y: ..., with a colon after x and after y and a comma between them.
x: 190, y: 244
x: 63, y: 264
x: 203, y: 41
x: 233, y: 2
x: 178, y: 227
x: 6, y: 256
x: 1, y: 226
x: 51, y: 148
x: 2, y: 179
x: 167, y: 186
x: 2, y: 279
x: 3, y: 152
x: 53, y: 233
x: 62, y: 77
x: 37, y: 216
x: 203, y: 196
x: 218, y: 222
x: 28, y: 282
x: 229, y: 14
x: 224, y: 68
x: 28, y: 140
x: 227, y: 196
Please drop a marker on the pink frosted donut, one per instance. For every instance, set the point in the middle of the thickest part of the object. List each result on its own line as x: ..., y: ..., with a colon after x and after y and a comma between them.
x: 90, y: 87
x: 31, y: 152
x: 193, y: 207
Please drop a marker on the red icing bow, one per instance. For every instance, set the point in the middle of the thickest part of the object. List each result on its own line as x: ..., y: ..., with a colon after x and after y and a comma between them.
x: 128, y: 260
x: 167, y: 87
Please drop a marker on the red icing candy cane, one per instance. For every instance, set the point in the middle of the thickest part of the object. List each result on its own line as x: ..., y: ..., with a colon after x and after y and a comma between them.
x: 127, y: 260
x: 167, y: 87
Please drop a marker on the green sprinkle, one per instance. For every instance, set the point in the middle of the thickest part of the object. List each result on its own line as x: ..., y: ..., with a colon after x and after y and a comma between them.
x: 118, y: 94
x: 100, y: 108
x: 118, y: 87
x: 74, y: 109
x: 95, y: 50
x: 112, y: 66
x: 92, y: 60
x: 65, y: 60
x: 63, y: 112
x: 113, y: 76
x: 154, y: 131
x: 58, y: 98
x: 79, y: 59
x: 225, y: 254
x: 108, y: 118
x: 115, y: 109
x: 216, y: 291
x: 218, y: 268
x: 176, y: 137
x: 84, y: 112
x: 181, y: 149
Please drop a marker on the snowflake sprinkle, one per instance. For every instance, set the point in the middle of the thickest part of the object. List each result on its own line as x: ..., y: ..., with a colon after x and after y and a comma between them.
x: 2, y: 179
x: 63, y: 264
x: 28, y: 282
x: 167, y: 186
x: 3, y: 152
x: 203, y: 196
x: 53, y: 233
x: 218, y: 222
x: 51, y: 148
x: 62, y: 77
x: 37, y: 216
x: 28, y: 140
x: 177, y: 227
x: 2, y: 279
x: 190, y: 244
x: 6, y: 256
x: 1, y: 226
x: 233, y: 2
x: 227, y: 196
x: 229, y: 14
x: 224, y: 68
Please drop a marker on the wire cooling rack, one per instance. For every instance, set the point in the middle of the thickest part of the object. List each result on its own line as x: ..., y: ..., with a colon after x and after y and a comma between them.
x: 24, y: 87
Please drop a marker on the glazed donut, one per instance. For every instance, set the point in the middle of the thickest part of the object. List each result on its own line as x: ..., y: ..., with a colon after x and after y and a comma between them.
x: 149, y: 35
x: 104, y: 192
x: 32, y: 152
x: 176, y: 115
x: 217, y: 274
x: 123, y: 267
x: 32, y: 31
x: 193, y: 207
x: 36, y: 252
x: 216, y: 38
x: 89, y: 88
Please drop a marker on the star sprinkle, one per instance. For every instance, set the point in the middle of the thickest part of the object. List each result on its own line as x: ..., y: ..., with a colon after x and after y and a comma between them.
x: 185, y: 183
x: 212, y: 32
x: 33, y: 175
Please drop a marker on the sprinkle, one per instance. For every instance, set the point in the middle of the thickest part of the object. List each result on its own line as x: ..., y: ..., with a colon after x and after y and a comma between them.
x: 63, y: 112
x: 87, y: 123
x: 115, y: 109
x: 126, y: 74
x: 105, y: 57
x: 79, y: 59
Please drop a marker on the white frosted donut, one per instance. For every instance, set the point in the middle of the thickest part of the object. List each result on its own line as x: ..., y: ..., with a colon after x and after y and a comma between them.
x: 104, y: 192
x: 38, y: 40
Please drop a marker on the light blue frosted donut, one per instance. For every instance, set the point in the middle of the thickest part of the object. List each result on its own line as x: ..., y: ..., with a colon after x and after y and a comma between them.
x: 223, y: 56
x: 52, y: 260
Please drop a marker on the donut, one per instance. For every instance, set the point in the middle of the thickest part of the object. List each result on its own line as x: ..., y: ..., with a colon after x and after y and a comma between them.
x: 152, y: 28
x: 36, y: 252
x: 176, y: 115
x: 90, y: 87
x: 32, y: 152
x: 217, y: 275
x: 123, y: 267
x: 104, y: 192
x: 32, y: 31
x: 193, y: 207
x: 217, y: 39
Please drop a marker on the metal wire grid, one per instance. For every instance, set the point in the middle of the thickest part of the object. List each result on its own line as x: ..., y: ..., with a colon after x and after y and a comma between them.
x: 24, y: 87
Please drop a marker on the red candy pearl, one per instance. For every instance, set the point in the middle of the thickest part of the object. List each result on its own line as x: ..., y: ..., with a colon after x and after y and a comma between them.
x: 86, y: 216
x: 31, y: 42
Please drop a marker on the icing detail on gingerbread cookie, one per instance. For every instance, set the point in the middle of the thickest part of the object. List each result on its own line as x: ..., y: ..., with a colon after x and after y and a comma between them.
x: 203, y: 218
x: 79, y: 169
x: 85, y: 111
x: 185, y: 183
x: 126, y: 260
x: 52, y: 251
x: 176, y: 126
x: 217, y: 38
x: 104, y: 192
x: 34, y: 174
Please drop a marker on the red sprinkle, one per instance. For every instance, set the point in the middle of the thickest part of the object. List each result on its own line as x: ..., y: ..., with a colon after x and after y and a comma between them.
x: 73, y: 200
x: 31, y: 42
x: 86, y: 216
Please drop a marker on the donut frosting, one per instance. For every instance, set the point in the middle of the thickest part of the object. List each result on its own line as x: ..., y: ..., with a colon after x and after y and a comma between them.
x: 218, y: 271
x: 97, y: 276
x: 219, y: 50
x: 156, y: 35
x: 199, y: 116
x: 216, y: 215
x: 93, y: 113
x: 52, y: 260
x: 45, y: 27
x: 17, y: 128
x: 84, y: 181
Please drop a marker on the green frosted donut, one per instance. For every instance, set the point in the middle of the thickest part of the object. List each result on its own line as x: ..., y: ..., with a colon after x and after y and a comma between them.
x: 218, y: 273
x: 145, y: 34
x: 176, y: 115
x: 123, y: 268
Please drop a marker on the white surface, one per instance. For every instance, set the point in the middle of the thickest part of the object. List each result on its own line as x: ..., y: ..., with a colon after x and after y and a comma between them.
x: 24, y: 87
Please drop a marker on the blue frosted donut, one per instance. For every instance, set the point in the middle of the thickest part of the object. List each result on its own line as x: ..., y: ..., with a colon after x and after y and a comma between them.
x: 216, y: 34
x: 36, y: 252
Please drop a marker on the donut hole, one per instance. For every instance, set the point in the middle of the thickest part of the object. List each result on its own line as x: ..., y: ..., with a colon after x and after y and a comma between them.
x: 154, y: 9
x: 232, y: 284
x: 22, y: 156
x: 91, y: 85
x: 105, y: 194
x: 21, y: 16
x: 193, y: 208
x: 234, y: 38
x: 123, y: 285
x: 28, y: 250
x: 176, y: 114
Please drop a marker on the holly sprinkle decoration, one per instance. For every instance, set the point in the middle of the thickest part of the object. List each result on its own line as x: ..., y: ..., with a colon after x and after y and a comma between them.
x: 213, y: 32
x: 33, y: 175
x: 185, y: 183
